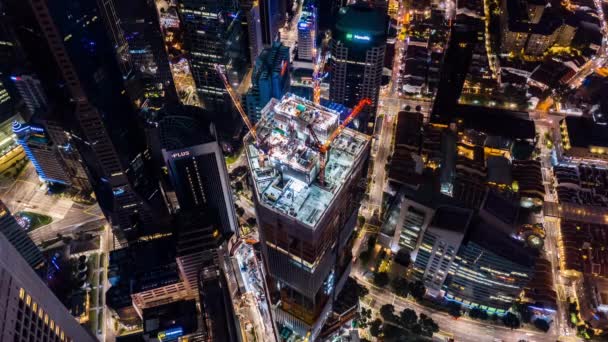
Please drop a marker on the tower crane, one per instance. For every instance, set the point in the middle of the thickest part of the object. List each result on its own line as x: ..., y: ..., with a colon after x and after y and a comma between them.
x: 237, y: 102
x: 324, y: 147
x: 239, y: 108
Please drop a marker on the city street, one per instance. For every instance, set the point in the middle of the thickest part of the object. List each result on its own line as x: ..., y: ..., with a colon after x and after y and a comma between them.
x: 27, y: 194
x: 462, y: 329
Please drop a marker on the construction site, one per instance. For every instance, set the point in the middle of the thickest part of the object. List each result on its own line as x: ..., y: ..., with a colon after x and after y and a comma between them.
x: 301, y: 156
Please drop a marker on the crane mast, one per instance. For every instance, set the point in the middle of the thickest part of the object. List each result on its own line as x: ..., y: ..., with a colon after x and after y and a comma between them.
x: 237, y: 102
x: 324, y: 148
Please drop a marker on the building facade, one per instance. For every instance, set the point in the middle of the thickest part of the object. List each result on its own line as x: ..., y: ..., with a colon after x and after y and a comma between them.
x: 31, y: 92
x: 213, y: 35
x: 307, y: 32
x: 490, y: 270
x: 197, y: 170
x: 270, y: 79
x: 30, y: 311
x: 439, y: 246
x: 306, y: 219
x: 18, y: 237
x: 42, y: 152
x: 358, y: 47
x: 95, y: 109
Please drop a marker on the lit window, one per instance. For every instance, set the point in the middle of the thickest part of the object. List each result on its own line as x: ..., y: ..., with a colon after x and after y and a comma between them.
x: 52, y: 324
x: 21, y: 293
x: 28, y: 300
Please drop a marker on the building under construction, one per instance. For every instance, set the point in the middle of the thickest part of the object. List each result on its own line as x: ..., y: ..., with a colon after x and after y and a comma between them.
x: 307, y: 194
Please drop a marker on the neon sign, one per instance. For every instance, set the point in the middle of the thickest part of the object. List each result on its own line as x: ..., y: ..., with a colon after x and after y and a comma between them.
x: 180, y: 154
x: 351, y: 36
x: 170, y: 334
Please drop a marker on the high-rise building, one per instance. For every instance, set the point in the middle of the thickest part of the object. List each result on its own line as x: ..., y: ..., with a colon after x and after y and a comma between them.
x: 358, y: 46
x: 143, y: 275
x: 306, y: 220
x: 142, y: 31
x: 29, y: 310
x: 270, y: 78
x: 93, y: 106
x: 198, y: 237
x: 254, y: 29
x: 490, y: 269
x: 197, y: 169
x: 213, y: 35
x: 439, y: 246
x: 307, y: 32
x: 31, y: 92
x: 272, y: 16
x: 17, y: 236
x: 42, y: 152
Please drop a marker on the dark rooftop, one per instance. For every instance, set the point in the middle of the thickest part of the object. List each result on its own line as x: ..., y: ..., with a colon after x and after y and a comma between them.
x: 180, y: 314
x: 583, y: 132
x: 452, y: 218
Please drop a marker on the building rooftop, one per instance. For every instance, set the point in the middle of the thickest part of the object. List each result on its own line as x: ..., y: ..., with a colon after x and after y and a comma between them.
x: 286, y: 178
x: 362, y: 18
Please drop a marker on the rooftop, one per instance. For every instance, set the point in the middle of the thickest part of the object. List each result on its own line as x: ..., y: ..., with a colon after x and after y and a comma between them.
x: 286, y: 178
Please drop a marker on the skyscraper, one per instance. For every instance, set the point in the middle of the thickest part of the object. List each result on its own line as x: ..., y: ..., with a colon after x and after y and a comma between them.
x: 214, y: 35
x: 31, y: 92
x: 270, y: 78
x: 357, y: 48
x: 17, y: 236
x: 93, y: 106
x: 254, y: 29
x: 196, y: 167
x: 29, y: 310
x: 142, y: 31
x: 272, y: 16
x: 306, y: 221
x: 42, y: 152
x: 307, y: 32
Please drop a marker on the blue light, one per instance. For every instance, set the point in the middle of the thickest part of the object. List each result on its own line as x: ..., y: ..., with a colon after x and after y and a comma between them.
x: 170, y: 334
x: 118, y: 192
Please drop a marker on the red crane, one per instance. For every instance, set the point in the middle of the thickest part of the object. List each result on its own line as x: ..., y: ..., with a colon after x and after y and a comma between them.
x: 324, y: 148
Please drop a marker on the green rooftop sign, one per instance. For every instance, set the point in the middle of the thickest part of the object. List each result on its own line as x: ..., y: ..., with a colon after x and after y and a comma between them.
x: 359, y: 37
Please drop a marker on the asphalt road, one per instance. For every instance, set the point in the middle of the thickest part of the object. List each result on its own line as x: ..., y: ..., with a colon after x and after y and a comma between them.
x: 27, y: 194
x: 462, y: 329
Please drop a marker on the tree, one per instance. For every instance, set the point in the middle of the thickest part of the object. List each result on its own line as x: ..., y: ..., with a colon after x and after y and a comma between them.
x: 381, y: 279
x: 363, y: 317
x: 361, y: 220
x: 510, y: 320
x: 387, y: 311
x: 525, y: 312
x: 454, y: 309
x: 391, y: 332
x: 541, y: 324
x: 429, y: 327
x: 417, y: 329
x: 408, y: 318
x: 239, y: 211
x: 403, y: 258
x: 238, y: 186
x: 362, y: 291
x: 478, y: 313
x: 400, y: 286
x: 417, y: 289
x: 374, y: 327
x: 364, y: 256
